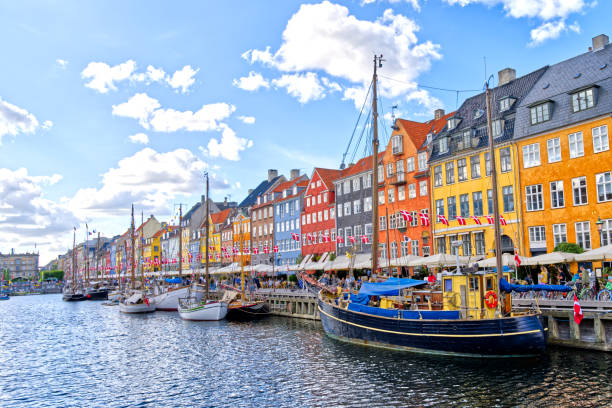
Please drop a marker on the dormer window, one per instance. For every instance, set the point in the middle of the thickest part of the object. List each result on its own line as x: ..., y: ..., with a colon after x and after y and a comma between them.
x: 583, y: 99
x: 259, y: 200
x: 443, y: 145
x: 498, y: 128
x: 540, y: 113
x: 452, y: 123
x: 294, y: 190
x: 478, y: 113
x: 429, y: 137
x: 396, y: 144
x: 506, y: 103
x: 284, y: 193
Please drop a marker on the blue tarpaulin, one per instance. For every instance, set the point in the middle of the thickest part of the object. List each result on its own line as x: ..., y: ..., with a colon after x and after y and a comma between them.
x: 390, y: 287
x: 173, y: 280
x: 405, y: 314
x: 508, y: 287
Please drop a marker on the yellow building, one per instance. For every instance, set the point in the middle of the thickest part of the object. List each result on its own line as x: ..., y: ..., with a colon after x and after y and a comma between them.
x: 242, y: 238
x: 460, y: 169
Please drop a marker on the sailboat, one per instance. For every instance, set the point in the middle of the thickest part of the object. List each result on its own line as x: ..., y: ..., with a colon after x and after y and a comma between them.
x: 194, y: 308
x: 382, y: 316
x: 137, y: 301
x: 98, y: 291
x: 71, y: 292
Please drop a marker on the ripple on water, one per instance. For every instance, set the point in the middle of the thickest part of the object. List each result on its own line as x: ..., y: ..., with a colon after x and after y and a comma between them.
x: 54, y: 353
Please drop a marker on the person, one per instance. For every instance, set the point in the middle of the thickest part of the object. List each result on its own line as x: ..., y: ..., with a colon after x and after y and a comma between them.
x: 543, y: 276
x: 431, y: 278
x: 528, y: 279
x: 564, y: 275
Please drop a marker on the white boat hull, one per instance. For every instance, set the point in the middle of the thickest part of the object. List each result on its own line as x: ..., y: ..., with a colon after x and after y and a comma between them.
x: 137, y: 308
x: 114, y: 296
x: 168, y: 301
x: 202, y: 312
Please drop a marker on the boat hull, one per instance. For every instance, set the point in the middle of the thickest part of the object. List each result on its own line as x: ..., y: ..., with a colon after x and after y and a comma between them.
x: 168, y: 301
x: 97, y: 294
x: 248, y: 311
x: 4, y: 297
x: 204, y: 312
x: 136, y: 308
x: 520, y: 336
x: 73, y: 297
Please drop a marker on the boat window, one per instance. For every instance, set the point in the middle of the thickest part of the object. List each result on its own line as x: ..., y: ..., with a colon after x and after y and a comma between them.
x: 489, y: 283
x: 448, y: 285
x: 473, y: 283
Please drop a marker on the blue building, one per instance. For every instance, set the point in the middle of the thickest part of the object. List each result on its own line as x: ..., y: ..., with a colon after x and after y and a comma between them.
x: 287, y: 210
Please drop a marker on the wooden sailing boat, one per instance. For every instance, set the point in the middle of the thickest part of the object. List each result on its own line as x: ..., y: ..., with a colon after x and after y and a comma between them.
x: 191, y: 308
x: 381, y: 316
x: 136, y: 301
x: 97, y: 291
x: 72, y: 293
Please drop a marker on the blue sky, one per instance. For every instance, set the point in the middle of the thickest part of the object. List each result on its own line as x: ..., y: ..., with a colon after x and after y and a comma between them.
x: 229, y: 87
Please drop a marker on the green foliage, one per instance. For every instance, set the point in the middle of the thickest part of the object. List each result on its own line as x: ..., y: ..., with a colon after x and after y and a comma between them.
x: 292, y: 278
x: 299, y: 259
x: 569, y: 247
x: 332, y: 256
x: 316, y: 257
x: 59, y: 275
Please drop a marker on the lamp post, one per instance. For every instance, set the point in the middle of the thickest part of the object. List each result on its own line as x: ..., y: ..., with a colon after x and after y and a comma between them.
x: 599, y: 224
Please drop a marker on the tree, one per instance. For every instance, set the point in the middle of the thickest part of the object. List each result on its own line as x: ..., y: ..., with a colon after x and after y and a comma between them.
x: 569, y: 247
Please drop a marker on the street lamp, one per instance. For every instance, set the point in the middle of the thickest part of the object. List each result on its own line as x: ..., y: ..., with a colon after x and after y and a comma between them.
x: 599, y: 224
x: 456, y: 244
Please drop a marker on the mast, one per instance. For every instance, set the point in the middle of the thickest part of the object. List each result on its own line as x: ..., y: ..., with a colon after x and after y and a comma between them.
x: 498, y: 255
x: 388, y: 248
x: 74, y: 261
x: 180, y: 255
x: 86, y: 255
x: 377, y: 64
x: 97, y: 254
x: 207, y: 235
x: 132, y: 249
x: 142, y: 248
x: 241, y: 265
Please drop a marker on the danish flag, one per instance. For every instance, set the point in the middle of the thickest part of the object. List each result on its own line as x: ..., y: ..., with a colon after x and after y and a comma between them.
x: 476, y: 220
x: 339, y: 240
x: 365, y: 239
x: 460, y: 220
x: 211, y: 249
x: 489, y: 219
x: 352, y: 239
x: 442, y: 219
x: 406, y: 215
x: 517, y: 260
x: 255, y: 250
x: 246, y: 251
x: 326, y: 238
x: 266, y: 250
x: 275, y: 249
x: 577, y: 311
x: 502, y: 220
x: 309, y: 236
x: 223, y: 249
x: 424, y: 219
x: 235, y: 250
x: 295, y: 237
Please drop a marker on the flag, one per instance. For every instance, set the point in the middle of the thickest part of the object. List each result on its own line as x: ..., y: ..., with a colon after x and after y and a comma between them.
x: 577, y: 311
x: 476, y: 220
x: 326, y: 238
x: 460, y: 220
x: 255, y: 251
x: 489, y: 219
x: 517, y: 260
x: 295, y: 237
x: 502, y: 220
x: 442, y: 219
x: 406, y: 215
x: 365, y: 239
x: 424, y: 219
x: 146, y: 301
x: 246, y: 251
x: 275, y: 249
x: 339, y: 240
x: 352, y: 239
x: 266, y: 250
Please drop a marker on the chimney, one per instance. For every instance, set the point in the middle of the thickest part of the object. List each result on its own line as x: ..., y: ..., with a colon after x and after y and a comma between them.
x: 202, y: 199
x: 438, y: 113
x: 600, y: 42
x: 506, y: 75
x: 250, y: 191
x: 295, y: 173
x: 272, y: 174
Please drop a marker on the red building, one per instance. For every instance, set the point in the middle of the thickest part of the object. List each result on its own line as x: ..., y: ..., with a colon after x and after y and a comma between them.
x: 319, y: 213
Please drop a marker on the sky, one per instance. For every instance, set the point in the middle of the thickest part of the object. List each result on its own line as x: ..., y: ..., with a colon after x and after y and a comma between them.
x: 104, y: 104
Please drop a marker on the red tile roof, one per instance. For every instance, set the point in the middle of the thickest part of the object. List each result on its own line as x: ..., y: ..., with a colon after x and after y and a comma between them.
x: 221, y: 216
x: 328, y: 176
x: 361, y: 166
x: 418, y: 131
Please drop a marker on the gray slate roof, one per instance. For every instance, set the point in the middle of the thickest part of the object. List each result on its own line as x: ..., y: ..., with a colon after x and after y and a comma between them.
x: 560, y: 79
x: 517, y: 88
x: 261, y: 188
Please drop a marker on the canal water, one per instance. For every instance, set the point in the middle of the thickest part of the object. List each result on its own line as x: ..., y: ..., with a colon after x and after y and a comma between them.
x: 58, y: 354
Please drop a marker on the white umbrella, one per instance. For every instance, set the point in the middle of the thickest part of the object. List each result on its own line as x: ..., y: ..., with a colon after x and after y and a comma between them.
x: 507, y: 260
x: 549, y: 259
x: 599, y: 254
x: 441, y: 260
x: 405, y: 260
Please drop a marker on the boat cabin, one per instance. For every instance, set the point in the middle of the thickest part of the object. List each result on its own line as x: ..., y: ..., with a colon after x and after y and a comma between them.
x: 479, y: 301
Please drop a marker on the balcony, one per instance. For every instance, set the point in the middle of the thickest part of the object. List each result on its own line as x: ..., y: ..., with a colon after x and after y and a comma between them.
x: 397, y: 178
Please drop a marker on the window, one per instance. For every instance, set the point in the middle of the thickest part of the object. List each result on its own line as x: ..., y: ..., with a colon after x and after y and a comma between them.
x: 348, y: 231
x: 415, y: 247
x: 325, y: 215
x: 453, y: 250
x: 415, y: 219
x: 576, y: 147
x: 443, y: 145
x: 557, y: 199
x: 355, y: 184
x: 347, y: 209
x: 412, y: 190
x: 340, y: 235
x: 479, y: 243
x: 396, y: 144
x: 441, y: 245
x: 488, y: 164
x: 393, y: 252
x: 318, y: 183
x: 346, y: 186
x: 381, y: 196
x: 464, y: 205
x: 579, y: 189
x: 367, y: 180
x: 451, y: 123
x: 606, y: 232
x: 356, y: 206
x: 367, y: 204
x: 498, y: 128
x: 392, y: 221
x: 399, y: 168
x: 389, y: 169
x: 490, y: 201
x: 600, y: 139
x: 410, y: 164
x: 423, y: 188
x: 462, y: 170
x: 382, y: 223
x: 338, y: 189
x: 440, y: 207
x: 537, y: 237
x: 320, y: 216
x: 505, y: 104
x: 451, y: 202
x: 554, y: 150
x: 508, y: 198
x: 339, y: 211
x: 531, y: 155
x: 534, y: 198
x: 505, y: 160
x: 391, y: 195
x: 325, y: 196
x: 540, y: 113
x: 332, y: 215
x: 467, y: 245
x: 383, y: 250
x: 438, y: 176
x: 477, y: 203
x: 401, y: 222
x: 559, y: 233
x: 368, y: 230
x: 604, y: 186
x: 401, y: 193
x: 450, y: 173
x: 422, y: 161
x: 583, y: 234
x: 381, y: 174
x: 582, y: 100
x: 319, y: 199
x: 475, y: 166
x: 404, y: 247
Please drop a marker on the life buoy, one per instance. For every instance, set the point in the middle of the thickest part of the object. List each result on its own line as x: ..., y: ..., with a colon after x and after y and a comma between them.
x: 491, y: 299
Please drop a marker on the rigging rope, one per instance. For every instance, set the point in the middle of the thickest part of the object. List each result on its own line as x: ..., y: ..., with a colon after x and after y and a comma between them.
x: 356, y: 125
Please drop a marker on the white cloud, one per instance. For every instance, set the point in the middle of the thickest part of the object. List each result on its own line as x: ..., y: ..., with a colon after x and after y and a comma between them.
x: 252, y: 82
x: 62, y: 63
x: 304, y: 87
x: 326, y: 38
x: 550, y: 31
x: 47, y: 124
x: 140, y: 107
x: 414, y: 3
x: 102, y: 77
x: 151, y: 75
x: 229, y: 147
x: 207, y: 118
x: 15, y: 120
x: 249, y: 120
x: 141, y: 138
x: 183, y: 78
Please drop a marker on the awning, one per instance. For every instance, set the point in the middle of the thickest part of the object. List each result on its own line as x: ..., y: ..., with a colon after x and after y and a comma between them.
x: 390, y: 287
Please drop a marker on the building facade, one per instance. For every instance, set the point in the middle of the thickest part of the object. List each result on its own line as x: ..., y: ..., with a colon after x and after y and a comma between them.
x: 15, y: 265
x: 287, y: 211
